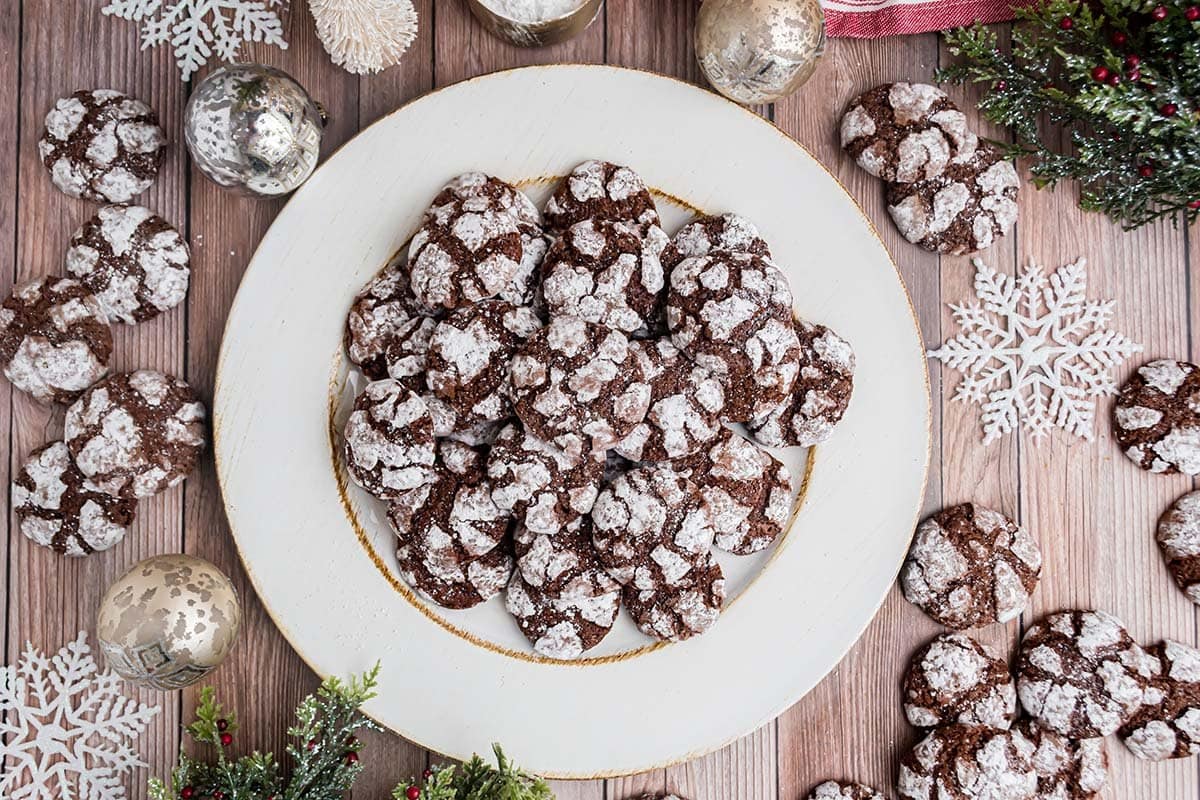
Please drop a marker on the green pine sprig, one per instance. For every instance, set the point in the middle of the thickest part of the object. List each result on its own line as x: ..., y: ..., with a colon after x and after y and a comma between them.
x: 1110, y: 97
x: 324, y: 757
x: 477, y: 780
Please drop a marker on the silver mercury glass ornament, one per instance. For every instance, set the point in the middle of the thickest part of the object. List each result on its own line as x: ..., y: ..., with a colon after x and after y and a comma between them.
x: 254, y: 128
x: 758, y: 51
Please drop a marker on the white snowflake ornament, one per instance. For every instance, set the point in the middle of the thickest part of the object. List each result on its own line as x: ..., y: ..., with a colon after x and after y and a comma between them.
x: 1034, y: 351
x: 198, y: 29
x: 365, y: 36
x: 67, y: 730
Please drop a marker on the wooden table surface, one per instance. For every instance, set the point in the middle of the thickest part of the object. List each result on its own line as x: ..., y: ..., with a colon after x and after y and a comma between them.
x: 1092, y: 510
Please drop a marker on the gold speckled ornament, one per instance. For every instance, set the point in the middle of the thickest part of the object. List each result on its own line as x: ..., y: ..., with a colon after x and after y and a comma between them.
x: 168, y: 621
x: 758, y: 51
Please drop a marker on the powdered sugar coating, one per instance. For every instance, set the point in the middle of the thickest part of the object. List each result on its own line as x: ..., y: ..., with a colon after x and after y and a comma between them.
x: 1170, y: 727
x: 132, y: 260
x: 715, y: 232
x: 389, y: 447
x: 61, y: 509
x: 954, y: 679
x: 468, y: 358
x: 732, y: 314
x: 387, y: 330
x: 607, y: 272
x: 963, y: 762
x: 600, y: 190
x: 55, y: 340
x: 101, y: 145
x: 136, y: 433
x: 749, y: 492
x: 565, y: 628
x: 1067, y: 769
x: 578, y: 385
x: 540, y: 484
x: 840, y: 790
x: 1080, y: 674
x: 651, y: 526
x: 820, y: 397
x: 1179, y: 540
x: 469, y: 246
x: 906, y: 132
x: 676, y: 611
x: 971, y: 566
x: 686, y: 405
x: 1156, y: 418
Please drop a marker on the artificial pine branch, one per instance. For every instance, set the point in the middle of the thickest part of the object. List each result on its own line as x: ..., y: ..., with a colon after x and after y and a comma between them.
x: 1106, y: 93
x: 476, y: 780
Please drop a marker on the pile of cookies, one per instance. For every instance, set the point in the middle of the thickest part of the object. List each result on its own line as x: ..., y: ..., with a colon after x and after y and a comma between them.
x: 551, y: 401
x: 128, y: 435
x: 948, y: 192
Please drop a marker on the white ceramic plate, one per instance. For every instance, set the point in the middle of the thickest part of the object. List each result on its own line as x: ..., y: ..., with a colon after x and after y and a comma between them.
x: 319, y: 555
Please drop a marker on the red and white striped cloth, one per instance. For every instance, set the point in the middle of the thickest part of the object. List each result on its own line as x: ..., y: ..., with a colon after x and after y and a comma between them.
x: 873, y: 19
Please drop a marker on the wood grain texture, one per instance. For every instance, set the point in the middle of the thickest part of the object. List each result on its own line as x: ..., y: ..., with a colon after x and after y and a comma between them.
x: 1093, y: 512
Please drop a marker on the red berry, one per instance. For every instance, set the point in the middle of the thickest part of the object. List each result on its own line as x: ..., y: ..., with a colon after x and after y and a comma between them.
x: 1194, y: 204
x: 226, y: 739
x: 352, y: 757
x: 222, y: 724
x: 413, y: 793
x: 1100, y: 73
x: 1191, y: 13
x: 218, y: 794
x: 1114, y: 79
x: 312, y: 745
x: 1119, y: 38
x: 1132, y: 60
x: 187, y: 792
x: 427, y: 774
x: 1066, y: 23
x: 1134, y: 74
x: 1158, y: 13
x: 1146, y: 171
x: 1168, y: 109
x: 1001, y: 85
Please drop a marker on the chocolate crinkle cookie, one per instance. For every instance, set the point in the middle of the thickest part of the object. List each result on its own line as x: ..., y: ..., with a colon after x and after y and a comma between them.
x: 55, y: 340
x: 387, y: 330
x: 820, y: 397
x: 558, y: 563
x: 651, y: 526
x: 469, y: 354
x: 61, y: 509
x: 962, y: 210
x: 607, y: 272
x: 578, y: 386
x: 954, y: 679
x: 1067, y: 769
x: 970, y: 566
x: 566, y: 626
x: 965, y: 762
x: 1179, y: 540
x: 132, y: 260
x: 1156, y: 418
x: 676, y: 610
x: 843, y: 790
x: 101, y: 145
x: 389, y: 445
x: 544, y: 487
x: 906, y: 132
x: 600, y: 190
x: 748, y: 492
x: 714, y: 232
x: 469, y: 246
x: 1169, y: 727
x: 136, y: 433
x: 1080, y: 674
x: 732, y: 314
x: 452, y: 582
x: 686, y: 405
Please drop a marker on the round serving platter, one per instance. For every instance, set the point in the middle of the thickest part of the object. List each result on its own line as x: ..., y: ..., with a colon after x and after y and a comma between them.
x: 319, y: 553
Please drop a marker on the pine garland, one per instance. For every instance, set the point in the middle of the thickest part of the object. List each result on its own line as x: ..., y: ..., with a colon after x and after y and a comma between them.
x: 475, y: 780
x: 324, y: 756
x: 1120, y: 78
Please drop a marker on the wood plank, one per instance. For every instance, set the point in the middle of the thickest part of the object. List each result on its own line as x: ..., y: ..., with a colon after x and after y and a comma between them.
x: 851, y: 726
x: 52, y: 598
x: 263, y: 678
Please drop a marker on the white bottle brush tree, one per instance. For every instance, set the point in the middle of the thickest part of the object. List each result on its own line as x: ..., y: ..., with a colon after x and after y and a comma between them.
x: 365, y: 36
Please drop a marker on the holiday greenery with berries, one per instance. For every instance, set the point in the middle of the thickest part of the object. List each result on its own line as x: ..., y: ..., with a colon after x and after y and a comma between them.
x: 1120, y: 78
x: 324, y: 758
x: 475, y: 780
